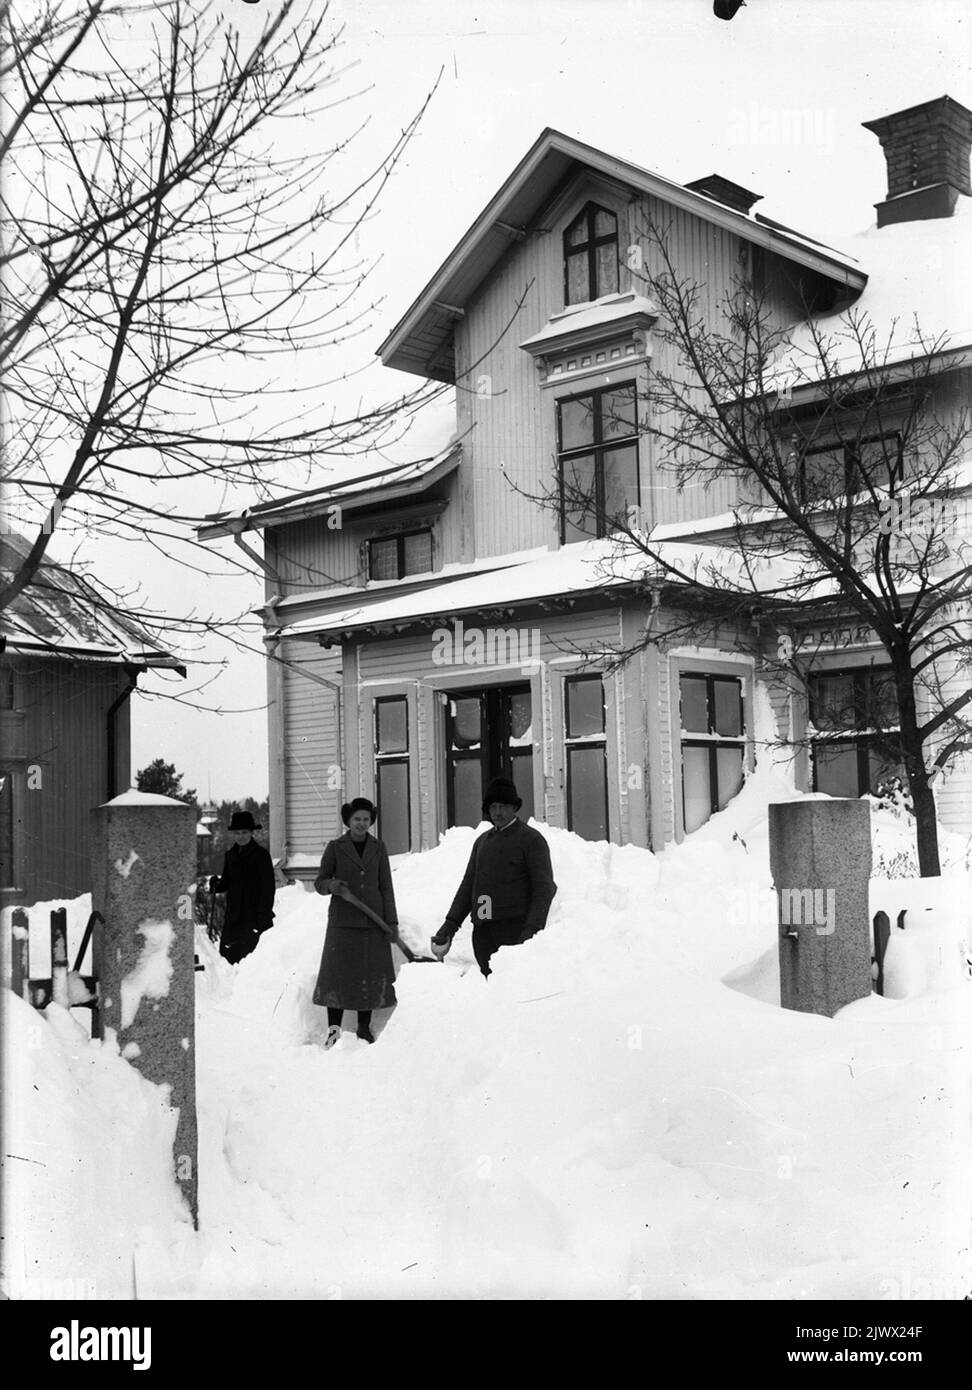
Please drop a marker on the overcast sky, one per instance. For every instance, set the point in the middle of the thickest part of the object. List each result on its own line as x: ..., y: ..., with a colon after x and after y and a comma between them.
x: 773, y: 100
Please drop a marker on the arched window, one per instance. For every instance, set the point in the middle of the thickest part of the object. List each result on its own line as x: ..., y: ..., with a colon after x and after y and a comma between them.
x: 591, y: 255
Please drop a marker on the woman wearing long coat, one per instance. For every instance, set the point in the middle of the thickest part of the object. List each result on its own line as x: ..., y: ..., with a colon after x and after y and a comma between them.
x: 357, y: 971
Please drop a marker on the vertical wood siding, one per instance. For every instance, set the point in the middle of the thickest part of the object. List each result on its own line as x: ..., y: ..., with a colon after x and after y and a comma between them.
x: 65, y: 740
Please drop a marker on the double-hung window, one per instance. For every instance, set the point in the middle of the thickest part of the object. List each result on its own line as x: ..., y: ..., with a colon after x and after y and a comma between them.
x: 591, y: 255
x: 394, y: 557
x: 391, y: 772
x: 855, y: 719
x: 713, y: 744
x: 586, y: 753
x: 597, y: 445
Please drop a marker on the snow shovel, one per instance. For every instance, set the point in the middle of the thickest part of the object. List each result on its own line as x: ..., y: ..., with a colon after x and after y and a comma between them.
x: 390, y: 932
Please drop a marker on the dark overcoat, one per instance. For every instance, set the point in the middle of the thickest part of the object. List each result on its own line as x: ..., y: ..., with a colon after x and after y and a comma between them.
x: 248, y: 882
x: 357, y: 970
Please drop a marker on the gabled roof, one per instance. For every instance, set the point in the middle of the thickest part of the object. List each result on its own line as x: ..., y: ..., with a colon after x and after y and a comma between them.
x: 384, y: 485
x: 62, y: 613
x: 419, y: 342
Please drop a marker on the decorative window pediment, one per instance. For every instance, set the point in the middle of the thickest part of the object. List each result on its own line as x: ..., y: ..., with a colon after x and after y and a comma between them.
x: 595, y: 337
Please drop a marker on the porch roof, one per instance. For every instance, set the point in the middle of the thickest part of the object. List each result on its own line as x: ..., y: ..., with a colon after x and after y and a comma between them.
x: 565, y: 575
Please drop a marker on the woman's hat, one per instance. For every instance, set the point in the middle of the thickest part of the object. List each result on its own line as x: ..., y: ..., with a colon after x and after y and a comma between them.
x: 501, y: 790
x: 360, y: 803
x: 242, y: 820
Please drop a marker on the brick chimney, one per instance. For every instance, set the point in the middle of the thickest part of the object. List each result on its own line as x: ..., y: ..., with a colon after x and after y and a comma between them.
x: 731, y: 195
x: 927, y: 152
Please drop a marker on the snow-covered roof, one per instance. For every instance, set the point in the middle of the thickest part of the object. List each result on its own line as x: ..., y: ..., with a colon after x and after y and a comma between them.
x: 577, y: 319
x: 62, y: 612
x: 382, y: 485
x: 133, y: 797
x: 456, y: 570
x: 421, y: 341
x: 919, y: 281
x: 570, y: 572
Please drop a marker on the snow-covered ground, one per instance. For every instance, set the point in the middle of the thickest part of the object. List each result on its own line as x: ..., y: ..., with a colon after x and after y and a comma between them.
x: 622, y: 1111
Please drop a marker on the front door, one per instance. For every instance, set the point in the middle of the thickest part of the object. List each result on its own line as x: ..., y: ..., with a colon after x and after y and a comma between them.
x: 489, y: 733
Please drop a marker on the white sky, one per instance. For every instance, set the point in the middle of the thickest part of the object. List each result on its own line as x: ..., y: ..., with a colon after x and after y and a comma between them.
x: 773, y: 100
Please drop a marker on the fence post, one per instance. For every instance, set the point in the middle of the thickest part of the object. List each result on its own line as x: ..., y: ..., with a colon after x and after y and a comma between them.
x: 143, y: 867
x: 820, y: 857
x: 59, y: 958
x: 882, y: 933
x: 20, y: 953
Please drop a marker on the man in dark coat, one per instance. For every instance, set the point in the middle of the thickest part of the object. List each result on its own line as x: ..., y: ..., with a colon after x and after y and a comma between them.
x: 248, y: 882
x: 508, y: 884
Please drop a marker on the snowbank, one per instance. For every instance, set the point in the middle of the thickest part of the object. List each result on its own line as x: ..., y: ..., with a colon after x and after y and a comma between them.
x: 88, y: 1173
x: 604, y: 1118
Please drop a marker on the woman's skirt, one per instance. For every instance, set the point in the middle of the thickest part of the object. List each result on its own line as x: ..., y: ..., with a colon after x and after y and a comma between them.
x: 357, y: 970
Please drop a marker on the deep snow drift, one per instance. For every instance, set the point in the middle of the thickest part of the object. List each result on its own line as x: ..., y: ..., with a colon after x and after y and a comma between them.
x: 620, y: 1112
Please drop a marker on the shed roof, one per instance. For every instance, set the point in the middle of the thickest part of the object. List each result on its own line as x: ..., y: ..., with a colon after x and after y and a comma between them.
x: 383, y: 485
x: 64, y: 613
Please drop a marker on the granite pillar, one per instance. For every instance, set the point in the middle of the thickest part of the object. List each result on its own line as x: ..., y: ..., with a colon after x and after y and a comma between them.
x: 143, y: 867
x: 820, y: 858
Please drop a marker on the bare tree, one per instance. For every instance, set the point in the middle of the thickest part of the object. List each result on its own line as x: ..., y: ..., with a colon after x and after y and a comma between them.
x: 172, y: 241
x: 847, y: 460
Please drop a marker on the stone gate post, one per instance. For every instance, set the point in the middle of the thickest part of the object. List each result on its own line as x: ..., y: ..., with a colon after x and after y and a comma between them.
x: 820, y: 857
x: 143, y: 867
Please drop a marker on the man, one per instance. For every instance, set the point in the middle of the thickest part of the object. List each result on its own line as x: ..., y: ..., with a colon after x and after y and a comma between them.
x: 248, y: 882
x: 508, y: 884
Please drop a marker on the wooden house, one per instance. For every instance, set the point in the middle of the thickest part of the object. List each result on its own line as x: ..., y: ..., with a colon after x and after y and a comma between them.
x: 435, y: 624
x: 68, y: 667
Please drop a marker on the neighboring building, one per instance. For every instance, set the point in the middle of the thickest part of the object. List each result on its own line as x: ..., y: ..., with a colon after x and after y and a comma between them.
x: 428, y: 627
x: 68, y: 666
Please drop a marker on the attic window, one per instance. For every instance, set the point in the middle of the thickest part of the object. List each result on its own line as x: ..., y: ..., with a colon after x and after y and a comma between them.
x: 394, y: 557
x: 591, y: 255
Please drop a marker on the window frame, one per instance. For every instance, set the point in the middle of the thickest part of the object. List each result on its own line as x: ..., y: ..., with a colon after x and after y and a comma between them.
x: 400, y: 538
x: 857, y: 737
x: 585, y: 741
x: 711, y: 739
x: 597, y: 450
x: 394, y: 758
x: 851, y: 465
x: 589, y: 248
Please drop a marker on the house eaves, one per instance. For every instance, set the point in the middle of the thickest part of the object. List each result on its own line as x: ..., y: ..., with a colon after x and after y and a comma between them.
x: 385, y: 485
x: 420, y: 341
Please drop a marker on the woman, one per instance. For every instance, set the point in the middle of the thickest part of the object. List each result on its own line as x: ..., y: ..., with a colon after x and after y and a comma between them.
x: 357, y: 971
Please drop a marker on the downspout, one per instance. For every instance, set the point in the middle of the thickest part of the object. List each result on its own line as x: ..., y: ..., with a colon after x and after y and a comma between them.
x: 132, y: 672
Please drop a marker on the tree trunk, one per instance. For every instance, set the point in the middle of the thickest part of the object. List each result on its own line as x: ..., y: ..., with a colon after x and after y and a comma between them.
x: 913, y: 753
x: 926, y: 828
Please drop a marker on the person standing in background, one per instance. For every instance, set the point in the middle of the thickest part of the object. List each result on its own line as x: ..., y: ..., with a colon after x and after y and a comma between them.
x: 249, y: 884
